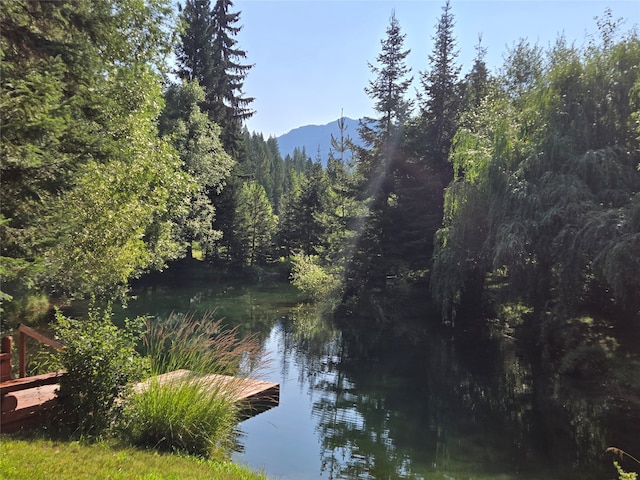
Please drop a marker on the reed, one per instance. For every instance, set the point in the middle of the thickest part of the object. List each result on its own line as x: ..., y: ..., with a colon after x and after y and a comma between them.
x: 192, y: 413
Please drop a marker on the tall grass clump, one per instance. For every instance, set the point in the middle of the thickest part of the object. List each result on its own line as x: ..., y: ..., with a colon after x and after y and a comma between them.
x: 191, y: 410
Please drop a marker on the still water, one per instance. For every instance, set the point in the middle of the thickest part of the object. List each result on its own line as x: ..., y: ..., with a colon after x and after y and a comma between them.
x: 367, y: 403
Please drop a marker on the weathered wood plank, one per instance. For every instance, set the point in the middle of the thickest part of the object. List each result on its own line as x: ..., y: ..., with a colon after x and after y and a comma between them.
x: 29, y: 407
x: 25, y: 400
x: 23, y: 329
x: 26, y: 383
x: 255, y: 395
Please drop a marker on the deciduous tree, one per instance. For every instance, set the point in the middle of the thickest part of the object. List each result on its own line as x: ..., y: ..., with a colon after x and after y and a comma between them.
x: 87, y: 184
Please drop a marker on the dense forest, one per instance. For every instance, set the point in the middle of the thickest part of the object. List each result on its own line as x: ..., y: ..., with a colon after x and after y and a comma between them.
x: 508, y: 195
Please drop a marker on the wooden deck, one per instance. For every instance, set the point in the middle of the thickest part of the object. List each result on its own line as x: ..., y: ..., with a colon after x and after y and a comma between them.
x: 255, y: 396
x: 25, y: 401
x: 27, y: 408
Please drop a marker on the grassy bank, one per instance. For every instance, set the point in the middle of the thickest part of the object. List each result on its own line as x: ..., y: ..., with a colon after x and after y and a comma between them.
x: 34, y: 459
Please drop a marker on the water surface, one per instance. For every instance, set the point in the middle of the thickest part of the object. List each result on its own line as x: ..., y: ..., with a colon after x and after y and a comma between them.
x: 367, y: 403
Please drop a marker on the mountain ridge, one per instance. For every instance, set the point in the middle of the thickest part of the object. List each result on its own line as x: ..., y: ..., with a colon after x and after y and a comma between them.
x: 316, y: 139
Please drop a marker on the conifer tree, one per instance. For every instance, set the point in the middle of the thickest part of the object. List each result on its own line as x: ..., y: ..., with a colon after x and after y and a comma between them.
x: 208, y: 53
x: 376, y: 163
x: 389, y: 88
x: 194, y: 52
x: 255, y: 224
x: 476, y: 83
x: 227, y: 102
x: 441, y: 95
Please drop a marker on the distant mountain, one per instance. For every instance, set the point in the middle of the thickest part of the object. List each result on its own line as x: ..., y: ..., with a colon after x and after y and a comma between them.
x: 314, y: 137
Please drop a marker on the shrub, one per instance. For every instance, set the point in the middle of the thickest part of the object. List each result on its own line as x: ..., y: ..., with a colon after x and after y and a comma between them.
x: 101, y: 362
x: 31, y: 309
x: 584, y: 361
x: 311, y: 278
x: 195, y: 412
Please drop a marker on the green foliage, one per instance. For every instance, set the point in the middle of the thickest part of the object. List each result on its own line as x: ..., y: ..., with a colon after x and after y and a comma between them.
x: 548, y: 183
x: 440, y: 109
x: 585, y: 361
x: 621, y: 454
x: 315, y: 281
x: 183, y: 415
x: 372, y: 256
x: 87, y: 183
x: 197, y: 140
x: 101, y: 362
x: 513, y: 314
x: 389, y: 87
x: 195, y: 137
x: 191, y: 413
x: 29, y: 309
x: 255, y: 223
x: 304, y: 223
x: 263, y: 162
x: 201, y: 345
x: 622, y: 475
x: 208, y: 53
x: 116, y: 222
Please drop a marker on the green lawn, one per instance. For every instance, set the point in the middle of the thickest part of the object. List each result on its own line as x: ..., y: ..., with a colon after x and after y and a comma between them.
x: 34, y: 459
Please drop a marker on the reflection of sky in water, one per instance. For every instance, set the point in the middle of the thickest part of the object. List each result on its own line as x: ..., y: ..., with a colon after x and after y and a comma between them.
x: 360, y: 406
x: 283, y: 440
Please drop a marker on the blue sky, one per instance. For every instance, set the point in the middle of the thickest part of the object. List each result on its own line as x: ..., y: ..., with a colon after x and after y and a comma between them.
x: 311, y: 56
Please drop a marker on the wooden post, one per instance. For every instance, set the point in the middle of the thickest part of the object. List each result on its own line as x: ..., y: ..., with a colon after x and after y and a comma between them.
x: 5, y: 358
x: 5, y: 346
x: 22, y: 355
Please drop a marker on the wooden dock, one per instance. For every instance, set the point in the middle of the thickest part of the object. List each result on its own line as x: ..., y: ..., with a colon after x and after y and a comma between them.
x: 27, y: 408
x: 254, y: 396
x: 25, y: 401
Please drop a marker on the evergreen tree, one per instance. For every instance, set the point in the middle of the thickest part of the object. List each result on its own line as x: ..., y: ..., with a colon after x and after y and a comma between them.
x: 303, y: 228
x: 255, y: 224
x: 388, y: 89
x: 194, y: 52
x: 226, y: 100
x: 276, y: 174
x: 476, y: 83
x: 441, y: 96
x: 288, y: 229
x: 375, y: 163
x: 208, y: 53
x: 342, y: 207
x: 423, y: 171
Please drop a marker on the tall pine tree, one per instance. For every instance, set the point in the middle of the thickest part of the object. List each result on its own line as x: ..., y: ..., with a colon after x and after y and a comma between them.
x: 376, y: 163
x: 441, y: 100
x: 208, y: 53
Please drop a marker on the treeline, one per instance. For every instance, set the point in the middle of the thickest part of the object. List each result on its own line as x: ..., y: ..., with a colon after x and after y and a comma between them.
x: 512, y: 194
x: 515, y: 187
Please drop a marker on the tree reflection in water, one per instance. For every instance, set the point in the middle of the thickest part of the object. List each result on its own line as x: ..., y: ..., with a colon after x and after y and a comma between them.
x: 396, y: 406
x: 410, y: 403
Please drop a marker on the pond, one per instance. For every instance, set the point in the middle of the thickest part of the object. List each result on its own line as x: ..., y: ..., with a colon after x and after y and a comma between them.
x: 413, y: 404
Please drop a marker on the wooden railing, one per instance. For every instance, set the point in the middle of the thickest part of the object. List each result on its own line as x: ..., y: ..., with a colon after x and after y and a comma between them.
x: 22, y: 346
